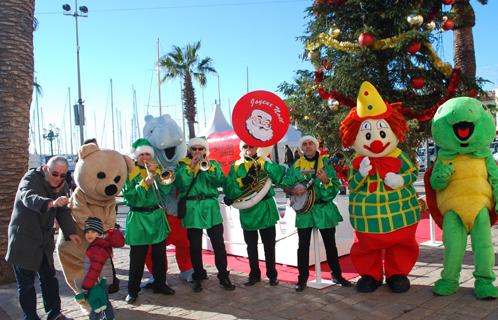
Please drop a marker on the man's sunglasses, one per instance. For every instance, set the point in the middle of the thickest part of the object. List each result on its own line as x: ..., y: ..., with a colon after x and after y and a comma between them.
x: 247, y: 147
x: 56, y: 174
x: 197, y: 149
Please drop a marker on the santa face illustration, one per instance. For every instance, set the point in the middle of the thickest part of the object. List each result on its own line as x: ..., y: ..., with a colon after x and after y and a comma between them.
x: 259, y: 125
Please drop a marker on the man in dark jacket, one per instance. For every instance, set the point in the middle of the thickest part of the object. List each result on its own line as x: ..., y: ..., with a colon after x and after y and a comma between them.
x: 40, y: 198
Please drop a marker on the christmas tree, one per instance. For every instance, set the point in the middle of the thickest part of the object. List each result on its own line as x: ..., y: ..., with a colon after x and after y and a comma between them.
x: 386, y: 42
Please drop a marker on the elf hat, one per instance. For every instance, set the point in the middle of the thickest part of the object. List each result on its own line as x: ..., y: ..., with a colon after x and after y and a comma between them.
x: 95, y: 224
x: 199, y: 141
x: 141, y: 146
x: 306, y: 138
x: 370, y: 104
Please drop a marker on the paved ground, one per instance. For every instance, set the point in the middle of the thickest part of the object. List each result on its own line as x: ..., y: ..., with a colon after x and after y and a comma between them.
x: 282, y: 302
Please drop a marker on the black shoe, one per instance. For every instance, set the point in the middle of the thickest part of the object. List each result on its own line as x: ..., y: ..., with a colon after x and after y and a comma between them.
x: 204, y: 275
x: 227, y: 284
x: 196, y: 286
x: 130, y: 299
x: 340, y: 280
x: 114, y: 287
x: 367, y: 284
x: 273, y: 282
x: 398, y: 283
x: 148, y: 284
x: 300, y: 286
x: 252, y: 281
x: 164, y: 289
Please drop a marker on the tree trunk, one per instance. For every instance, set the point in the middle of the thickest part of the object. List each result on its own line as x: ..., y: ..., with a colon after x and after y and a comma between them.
x: 16, y: 89
x: 463, y: 41
x: 189, y: 103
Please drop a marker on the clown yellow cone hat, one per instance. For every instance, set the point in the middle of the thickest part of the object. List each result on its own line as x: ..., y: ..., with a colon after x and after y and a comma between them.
x: 369, y: 103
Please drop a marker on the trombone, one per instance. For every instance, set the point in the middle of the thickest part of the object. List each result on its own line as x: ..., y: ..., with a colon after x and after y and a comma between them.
x: 165, y: 177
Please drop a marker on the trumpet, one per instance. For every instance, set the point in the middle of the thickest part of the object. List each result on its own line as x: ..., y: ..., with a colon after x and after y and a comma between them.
x: 204, y: 164
x: 165, y: 177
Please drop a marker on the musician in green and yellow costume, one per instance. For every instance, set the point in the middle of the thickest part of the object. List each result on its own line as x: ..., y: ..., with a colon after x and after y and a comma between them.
x: 145, y: 223
x: 465, y: 178
x: 263, y: 215
x: 203, y: 209
x: 324, y: 214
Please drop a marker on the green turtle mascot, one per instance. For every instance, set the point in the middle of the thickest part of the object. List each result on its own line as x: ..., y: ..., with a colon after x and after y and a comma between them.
x: 462, y: 189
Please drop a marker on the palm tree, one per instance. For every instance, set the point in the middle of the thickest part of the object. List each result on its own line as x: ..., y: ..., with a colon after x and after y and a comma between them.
x: 17, y: 24
x: 186, y: 64
x: 463, y: 40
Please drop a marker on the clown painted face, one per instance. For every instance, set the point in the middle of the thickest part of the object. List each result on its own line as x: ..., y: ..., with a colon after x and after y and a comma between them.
x: 259, y: 125
x: 375, y: 138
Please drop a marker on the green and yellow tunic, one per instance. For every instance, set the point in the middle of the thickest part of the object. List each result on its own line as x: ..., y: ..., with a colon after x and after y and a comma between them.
x: 383, y: 210
x: 264, y: 214
x: 324, y: 213
x: 146, y: 222
x: 203, y: 209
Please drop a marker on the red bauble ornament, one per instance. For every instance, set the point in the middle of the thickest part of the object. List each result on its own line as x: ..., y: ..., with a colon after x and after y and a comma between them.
x: 336, y: 2
x: 448, y: 25
x: 472, y: 92
x: 327, y: 65
x: 448, y: 2
x: 414, y: 47
x: 417, y: 82
x: 366, y: 39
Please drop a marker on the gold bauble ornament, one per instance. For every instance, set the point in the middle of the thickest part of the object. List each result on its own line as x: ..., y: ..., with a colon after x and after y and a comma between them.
x: 415, y: 20
x: 430, y: 25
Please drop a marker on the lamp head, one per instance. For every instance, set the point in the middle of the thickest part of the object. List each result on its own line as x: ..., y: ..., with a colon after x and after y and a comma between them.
x: 84, y: 9
x: 66, y: 7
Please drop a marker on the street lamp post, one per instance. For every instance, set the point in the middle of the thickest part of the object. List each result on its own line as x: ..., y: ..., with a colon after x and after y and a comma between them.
x: 79, y: 112
x: 51, y: 134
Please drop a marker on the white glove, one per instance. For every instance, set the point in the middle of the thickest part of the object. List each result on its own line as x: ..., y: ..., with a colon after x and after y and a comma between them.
x: 365, y: 167
x: 393, y: 180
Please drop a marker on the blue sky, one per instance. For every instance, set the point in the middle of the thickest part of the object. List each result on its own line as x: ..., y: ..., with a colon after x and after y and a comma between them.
x: 118, y: 40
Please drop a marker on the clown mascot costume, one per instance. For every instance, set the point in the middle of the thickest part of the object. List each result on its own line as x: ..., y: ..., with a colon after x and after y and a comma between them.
x: 383, y: 205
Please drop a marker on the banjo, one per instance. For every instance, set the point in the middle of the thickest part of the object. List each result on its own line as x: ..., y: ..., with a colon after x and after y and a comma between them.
x: 303, y: 203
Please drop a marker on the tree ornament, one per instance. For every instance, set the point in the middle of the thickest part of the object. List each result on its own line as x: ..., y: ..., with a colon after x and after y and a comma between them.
x: 336, y: 2
x: 448, y: 24
x: 430, y: 25
x: 366, y: 39
x: 334, y: 32
x: 417, y: 82
x: 448, y: 2
x: 333, y: 104
x: 327, y: 65
x: 472, y: 92
x: 414, y: 47
x: 415, y: 20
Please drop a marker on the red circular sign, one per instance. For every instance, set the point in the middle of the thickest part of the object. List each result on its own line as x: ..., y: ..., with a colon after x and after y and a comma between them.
x: 260, y: 118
